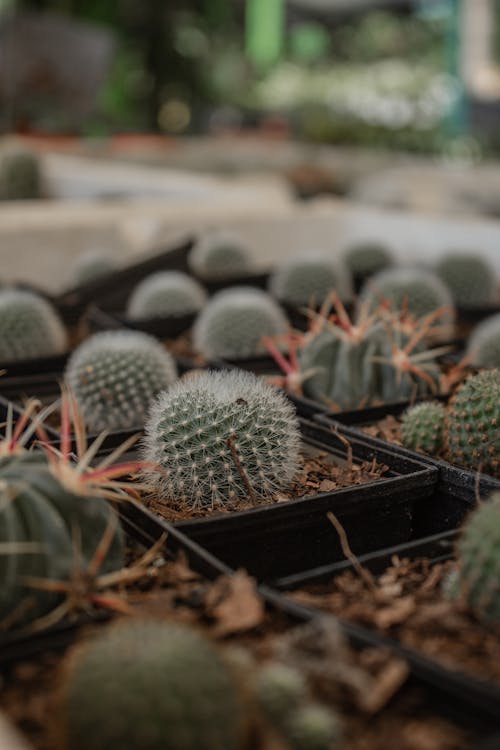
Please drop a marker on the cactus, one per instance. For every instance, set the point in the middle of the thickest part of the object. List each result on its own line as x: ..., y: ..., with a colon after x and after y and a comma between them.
x: 366, y: 259
x: 308, y: 278
x: 215, y: 433
x: 20, y: 174
x: 422, y: 427
x: 473, y: 423
x: 483, y: 346
x: 470, y: 279
x: 220, y: 256
x: 166, y: 294
x: 475, y: 579
x: 279, y: 690
x: 235, y: 321
x: 39, y: 518
x: 91, y: 266
x: 115, y: 375
x: 29, y: 327
x: 420, y: 291
x: 313, y: 727
x: 147, y: 685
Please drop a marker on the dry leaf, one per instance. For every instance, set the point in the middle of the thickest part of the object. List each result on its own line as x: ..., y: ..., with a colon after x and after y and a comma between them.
x: 235, y: 604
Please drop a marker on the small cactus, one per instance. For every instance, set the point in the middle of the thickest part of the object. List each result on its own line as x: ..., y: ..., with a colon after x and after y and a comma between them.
x: 473, y: 423
x: 308, y: 278
x: 147, y: 685
x: 366, y: 259
x: 220, y: 256
x: 421, y: 291
x: 470, y: 279
x: 422, y: 427
x: 475, y: 579
x: 279, y: 690
x: 29, y: 327
x: 20, y: 174
x: 166, y: 294
x: 91, y: 266
x: 483, y: 346
x: 115, y: 375
x: 235, y: 321
x: 313, y: 727
x: 196, y: 429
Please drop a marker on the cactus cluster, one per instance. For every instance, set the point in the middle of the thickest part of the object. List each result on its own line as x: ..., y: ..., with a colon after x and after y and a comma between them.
x: 234, y: 322
x: 20, y: 174
x: 115, y: 375
x: 422, y: 427
x: 147, y: 685
x: 308, y: 278
x: 166, y: 294
x: 220, y: 256
x: 367, y: 259
x: 211, y: 434
x: 90, y: 266
x: 483, y: 346
x: 470, y: 279
x: 475, y: 580
x: 29, y: 327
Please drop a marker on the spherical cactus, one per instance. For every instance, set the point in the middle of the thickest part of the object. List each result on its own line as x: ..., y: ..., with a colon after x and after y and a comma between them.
x: 146, y: 685
x: 367, y: 258
x: 313, y: 727
x: 483, y: 346
x: 235, y: 321
x: 115, y: 375
x: 213, y: 433
x: 29, y: 327
x: 473, y: 423
x: 20, y: 174
x: 166, y: 294
x: 422, y: 291
x: 279, y: 690
x: 308, y: 278
x: 220, y: 256
x: 422, y: 427
x: 91, y: 266
x: 476, y: 575
x: 470, y: 279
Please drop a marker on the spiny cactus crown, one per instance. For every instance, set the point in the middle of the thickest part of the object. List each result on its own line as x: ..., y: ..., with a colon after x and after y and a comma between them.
x: 146, y: 685
x: 115, y: 375
x: 29, y: 327
x: 478, y: 568
x: 473, y: 423
x: 279, y: 690
x: 166, y: 294
x: 422, y: 291
x: 483, y: 346
x: 219, y: 256
x: 197, y: 428
x: 367, y: 259
x: 470, y: 279
x: 313, y: 727
x: 308, y: 277
x: 92, y: 265
x: 422, y: 427
x: 20, y: 174
x: 235, y: 321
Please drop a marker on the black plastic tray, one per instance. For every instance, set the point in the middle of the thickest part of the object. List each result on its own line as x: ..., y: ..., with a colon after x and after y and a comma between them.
x: 258, y: 280
x: 161, y: 327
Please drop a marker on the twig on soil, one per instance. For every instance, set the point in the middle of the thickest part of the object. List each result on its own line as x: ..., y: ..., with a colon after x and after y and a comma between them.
x: 346, y: 442
x: 363, y: 573
x: 241, y: 470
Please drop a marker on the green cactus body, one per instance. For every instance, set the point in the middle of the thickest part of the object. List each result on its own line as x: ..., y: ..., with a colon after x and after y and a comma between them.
x: 313, y: 727
x: 166, y: 294
x: 91, y: 266
x: 422, y: 427
x: 422, y: 291
x: 476, y: 576
x: 29, y: 327
x: 20, y: 175
x: 220, y: 256
x: 470, y: 279
x: 473, y: 423
x: 36, y: 509
x: 189, y: 436
x: 308, y: 278
x: 279, y: 690
x: 235, y: 321
x: 366, y: 259
x: 146, y: 685
x: 115, y: 375
x: 483, y: 346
